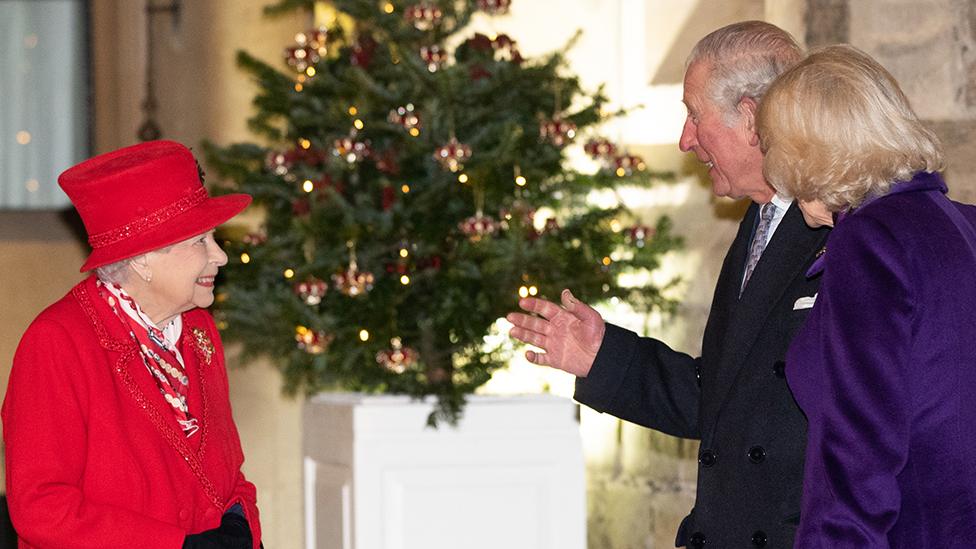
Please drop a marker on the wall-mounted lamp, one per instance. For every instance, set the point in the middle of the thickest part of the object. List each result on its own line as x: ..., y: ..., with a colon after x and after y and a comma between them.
x: 149, y: 130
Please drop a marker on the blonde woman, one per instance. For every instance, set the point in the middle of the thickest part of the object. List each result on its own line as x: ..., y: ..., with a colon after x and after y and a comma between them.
x: 885, y: 366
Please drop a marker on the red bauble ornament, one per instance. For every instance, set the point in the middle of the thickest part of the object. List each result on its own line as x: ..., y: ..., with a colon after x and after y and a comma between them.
x: 277, y: 163
x: 433, y: 262
x: 311, y: 290
x: 387, y: 163
x: 351, y: 150
x: 557, y: 131
x: 626, y: 164
x: 313, y: 342
x: 301, y: 207
x: 495, y: 7
x: 282, y: 162
x: 479, y: 42
x: 398, y: 358
x: 388, y: 198
x: 434, y: 56
x: 505, y: 49
x: 423, y: 16
x: 398, y: 268
x: 363, y: 51
x: 639, y: 234
x: 452, y: 155
x: 600, y: 149
x: 321, y: 185
x: 300, y: 57
x: 353, y: 282
x: 405, y: 117
x: 478, y: 226
x: 502, y: 47
x: 310, y: 49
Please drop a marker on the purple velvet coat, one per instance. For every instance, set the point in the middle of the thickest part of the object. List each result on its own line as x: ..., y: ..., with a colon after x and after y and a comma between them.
x: 885, y: 370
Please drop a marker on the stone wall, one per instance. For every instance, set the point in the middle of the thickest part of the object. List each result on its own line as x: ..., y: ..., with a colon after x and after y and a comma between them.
x: 930, y: 48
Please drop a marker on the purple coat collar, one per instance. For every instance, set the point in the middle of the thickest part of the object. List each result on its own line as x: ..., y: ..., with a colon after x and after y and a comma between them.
x: 921, y: 181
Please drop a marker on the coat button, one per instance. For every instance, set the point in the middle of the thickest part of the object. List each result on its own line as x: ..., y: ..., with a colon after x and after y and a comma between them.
x: 212, y: 515
x: 184, y: 514
x: 779, y: 368
x: 707, y: 458
x: 696, y: 541
x: 757, y: 454
x: 759, y: 538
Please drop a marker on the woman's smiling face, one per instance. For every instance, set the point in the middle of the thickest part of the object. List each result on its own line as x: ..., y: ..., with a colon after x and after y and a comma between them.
x: 182, y: 277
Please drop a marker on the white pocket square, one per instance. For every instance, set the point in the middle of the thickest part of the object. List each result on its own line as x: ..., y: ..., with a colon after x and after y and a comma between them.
x: 804, y: 302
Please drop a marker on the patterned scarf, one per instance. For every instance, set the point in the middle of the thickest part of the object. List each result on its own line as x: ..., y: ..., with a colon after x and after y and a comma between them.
x: 158, y: 349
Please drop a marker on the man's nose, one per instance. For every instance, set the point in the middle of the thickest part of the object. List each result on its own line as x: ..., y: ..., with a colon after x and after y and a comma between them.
x: 688, y: 136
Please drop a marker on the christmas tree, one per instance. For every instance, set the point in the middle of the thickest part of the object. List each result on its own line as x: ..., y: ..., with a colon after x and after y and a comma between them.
x: 411, y: 192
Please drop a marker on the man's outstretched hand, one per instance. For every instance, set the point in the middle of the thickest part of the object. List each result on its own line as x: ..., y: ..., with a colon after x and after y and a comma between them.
x: 570, y: 334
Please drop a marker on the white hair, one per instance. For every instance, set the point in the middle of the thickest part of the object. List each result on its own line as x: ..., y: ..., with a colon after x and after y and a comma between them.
x: 744, y: 59
x: 118, y: 272
x: 115, y: 273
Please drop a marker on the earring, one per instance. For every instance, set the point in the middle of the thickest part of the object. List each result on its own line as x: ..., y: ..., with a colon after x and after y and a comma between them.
x: 148, y: 277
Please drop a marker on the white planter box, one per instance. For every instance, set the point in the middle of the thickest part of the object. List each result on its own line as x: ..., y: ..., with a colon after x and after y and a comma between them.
x: 510, y: 476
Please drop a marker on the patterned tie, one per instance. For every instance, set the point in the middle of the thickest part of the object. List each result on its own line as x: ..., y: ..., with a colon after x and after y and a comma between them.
x: 758, y: 241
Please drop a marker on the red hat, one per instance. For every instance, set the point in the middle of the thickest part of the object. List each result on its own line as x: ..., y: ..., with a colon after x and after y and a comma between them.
x: 142, y: 198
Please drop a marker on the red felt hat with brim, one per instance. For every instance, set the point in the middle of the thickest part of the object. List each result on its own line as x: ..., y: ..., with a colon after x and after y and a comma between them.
x: 142, y: 198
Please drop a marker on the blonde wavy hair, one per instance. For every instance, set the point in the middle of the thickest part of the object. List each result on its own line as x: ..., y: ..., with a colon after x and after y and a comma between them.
x: 837, y: 128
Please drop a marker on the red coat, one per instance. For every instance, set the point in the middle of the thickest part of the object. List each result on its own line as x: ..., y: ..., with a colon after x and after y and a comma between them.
x: 94, y: 456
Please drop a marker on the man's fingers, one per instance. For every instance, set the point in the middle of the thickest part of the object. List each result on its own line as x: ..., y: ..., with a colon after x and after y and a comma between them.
x: 579, y: 309
x: 530, y: 337
x: 542, y: 359
x: 528, y: 322
x: 542, y: 307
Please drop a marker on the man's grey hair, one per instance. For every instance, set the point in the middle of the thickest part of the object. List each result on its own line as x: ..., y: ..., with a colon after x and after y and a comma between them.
x: 744, y: 58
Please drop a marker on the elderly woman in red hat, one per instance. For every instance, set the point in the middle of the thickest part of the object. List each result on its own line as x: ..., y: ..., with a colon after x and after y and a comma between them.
x: 117, y: 421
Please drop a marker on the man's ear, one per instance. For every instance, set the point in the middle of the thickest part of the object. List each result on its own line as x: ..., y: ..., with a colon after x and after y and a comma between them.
x: 748, y: 108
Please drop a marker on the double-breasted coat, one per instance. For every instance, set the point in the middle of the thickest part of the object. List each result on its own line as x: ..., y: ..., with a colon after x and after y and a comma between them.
x: 94, y: 455
x: 885, y: 369
x: 734, y: 398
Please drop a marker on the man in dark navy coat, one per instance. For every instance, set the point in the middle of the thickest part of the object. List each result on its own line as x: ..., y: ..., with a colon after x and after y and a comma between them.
x: 733, y: 398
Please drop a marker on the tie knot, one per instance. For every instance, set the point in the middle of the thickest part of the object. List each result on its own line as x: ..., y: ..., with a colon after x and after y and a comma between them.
x: 768, y: 211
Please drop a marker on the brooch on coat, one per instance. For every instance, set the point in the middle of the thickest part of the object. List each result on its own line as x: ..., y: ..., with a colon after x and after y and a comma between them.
x: 205, y: 347
x: 817, y: 266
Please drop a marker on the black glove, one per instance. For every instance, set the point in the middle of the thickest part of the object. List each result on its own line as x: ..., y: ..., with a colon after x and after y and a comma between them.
x: 233, y: 533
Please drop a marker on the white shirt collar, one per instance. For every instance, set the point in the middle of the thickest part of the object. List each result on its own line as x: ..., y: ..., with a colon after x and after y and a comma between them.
x: 782, y: 203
